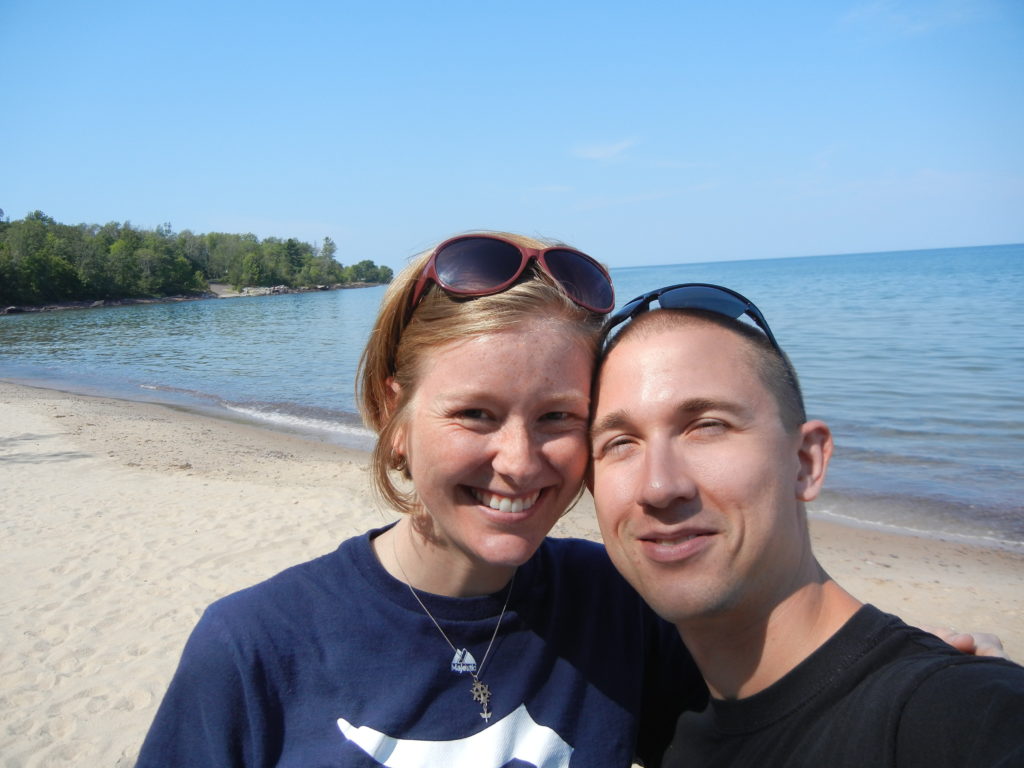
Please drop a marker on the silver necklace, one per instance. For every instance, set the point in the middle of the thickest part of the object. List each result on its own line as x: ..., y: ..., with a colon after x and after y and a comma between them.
x: 463, y: 661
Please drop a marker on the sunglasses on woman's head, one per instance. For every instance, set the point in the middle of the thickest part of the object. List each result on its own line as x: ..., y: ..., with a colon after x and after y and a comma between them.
x: 700, y: 296
x: 481, y: 265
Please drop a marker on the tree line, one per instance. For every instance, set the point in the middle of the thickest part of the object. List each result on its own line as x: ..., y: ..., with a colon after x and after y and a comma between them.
x: 43, y: 261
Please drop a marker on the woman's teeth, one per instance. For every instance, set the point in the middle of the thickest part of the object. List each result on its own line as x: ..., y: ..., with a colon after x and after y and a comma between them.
x: 506, y: 503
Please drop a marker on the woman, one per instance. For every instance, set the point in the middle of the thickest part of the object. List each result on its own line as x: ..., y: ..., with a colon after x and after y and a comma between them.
x: 460, y: 636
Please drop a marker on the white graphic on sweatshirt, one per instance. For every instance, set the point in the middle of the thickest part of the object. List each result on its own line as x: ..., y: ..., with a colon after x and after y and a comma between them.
x: 463, y: 661
x: 515, y: 737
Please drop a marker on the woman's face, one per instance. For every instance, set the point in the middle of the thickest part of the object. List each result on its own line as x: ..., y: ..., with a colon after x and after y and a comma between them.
x: 496, y: 439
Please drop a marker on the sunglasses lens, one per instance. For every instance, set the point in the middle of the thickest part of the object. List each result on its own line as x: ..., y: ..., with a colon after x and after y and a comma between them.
x: 703, y: 297
x: 476, y: 265
x: 581, y: 278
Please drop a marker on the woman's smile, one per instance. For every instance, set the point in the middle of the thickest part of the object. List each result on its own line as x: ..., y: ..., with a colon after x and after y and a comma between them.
x: 496, y: 442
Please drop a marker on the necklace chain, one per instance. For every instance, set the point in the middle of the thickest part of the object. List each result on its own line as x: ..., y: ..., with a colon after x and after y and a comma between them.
x: 480, y: 691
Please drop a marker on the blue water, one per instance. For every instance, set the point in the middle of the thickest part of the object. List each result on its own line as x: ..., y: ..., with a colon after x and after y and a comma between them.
x: 916, y: 360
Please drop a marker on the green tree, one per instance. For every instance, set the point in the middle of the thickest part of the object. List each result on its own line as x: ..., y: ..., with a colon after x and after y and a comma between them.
x: 42, y: 260
x: 328, y: 249
x: 368, y: 272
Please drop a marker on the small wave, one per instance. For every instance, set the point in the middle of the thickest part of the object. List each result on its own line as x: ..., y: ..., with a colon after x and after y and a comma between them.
x: 179, y: 391
x: 280, y: 415
x: 906, y: 530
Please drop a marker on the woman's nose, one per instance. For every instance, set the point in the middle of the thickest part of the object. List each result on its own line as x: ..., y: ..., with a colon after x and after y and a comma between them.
x: 516, y: 452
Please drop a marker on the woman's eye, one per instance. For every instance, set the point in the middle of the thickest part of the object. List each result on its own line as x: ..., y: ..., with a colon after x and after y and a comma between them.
x: 471, y: 414
x: 557, y: 416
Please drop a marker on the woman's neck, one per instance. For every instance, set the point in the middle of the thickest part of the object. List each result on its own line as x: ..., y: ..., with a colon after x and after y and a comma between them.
x: 412, y: 555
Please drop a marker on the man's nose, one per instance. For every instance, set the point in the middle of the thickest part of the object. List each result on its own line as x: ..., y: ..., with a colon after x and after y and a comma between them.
x: 665, y: 478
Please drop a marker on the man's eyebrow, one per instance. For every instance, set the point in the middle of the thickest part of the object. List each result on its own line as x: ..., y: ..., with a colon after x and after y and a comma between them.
x: 610, y: 421
x: 620, y: 419
x: 701, y: 404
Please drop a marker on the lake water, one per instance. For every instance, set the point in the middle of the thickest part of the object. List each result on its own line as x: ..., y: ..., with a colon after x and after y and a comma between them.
x: 916, y: 360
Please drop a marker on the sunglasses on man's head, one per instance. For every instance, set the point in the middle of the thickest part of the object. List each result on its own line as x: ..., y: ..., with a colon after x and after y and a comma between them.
x: 699, y: 296
x: 481, y: 265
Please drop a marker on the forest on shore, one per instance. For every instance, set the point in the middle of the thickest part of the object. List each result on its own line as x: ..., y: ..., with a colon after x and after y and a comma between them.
x: 43, y: 261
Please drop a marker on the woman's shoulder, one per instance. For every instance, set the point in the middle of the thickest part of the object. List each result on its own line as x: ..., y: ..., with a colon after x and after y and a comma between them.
x: 573, y: 550
x: 298, y: 589
x: 580, y: 562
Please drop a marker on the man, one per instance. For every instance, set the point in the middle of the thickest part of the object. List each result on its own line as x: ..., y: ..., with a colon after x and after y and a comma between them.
x: 703, y: 462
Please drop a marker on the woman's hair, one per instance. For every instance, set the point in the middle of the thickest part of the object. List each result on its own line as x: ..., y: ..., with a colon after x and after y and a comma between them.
x: 399, y: 344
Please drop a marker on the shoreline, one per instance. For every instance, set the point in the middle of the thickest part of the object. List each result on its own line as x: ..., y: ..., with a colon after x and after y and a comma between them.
x: 123, y: 519
x: 216, y: 291
x: 832, y: 505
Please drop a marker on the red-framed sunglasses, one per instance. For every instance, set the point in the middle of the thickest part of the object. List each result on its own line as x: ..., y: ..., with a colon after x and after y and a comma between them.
x: 481, y: 265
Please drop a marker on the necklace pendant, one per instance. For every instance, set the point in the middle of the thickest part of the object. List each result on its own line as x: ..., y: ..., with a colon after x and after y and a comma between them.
x: 482, y: 694
x: 463, y: 661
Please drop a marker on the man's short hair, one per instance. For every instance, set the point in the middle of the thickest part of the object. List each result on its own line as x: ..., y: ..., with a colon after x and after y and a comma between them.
x: 773, y: 366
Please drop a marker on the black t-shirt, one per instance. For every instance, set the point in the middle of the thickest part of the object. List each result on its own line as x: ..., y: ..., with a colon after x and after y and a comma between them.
x: 878, y: 693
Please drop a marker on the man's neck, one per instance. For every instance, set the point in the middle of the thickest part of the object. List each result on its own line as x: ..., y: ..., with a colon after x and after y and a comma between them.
x: 742, y: 653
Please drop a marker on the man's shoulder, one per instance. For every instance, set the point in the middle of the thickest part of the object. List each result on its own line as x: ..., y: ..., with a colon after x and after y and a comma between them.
x: 925, y: 703
x: 955, y: 684
x: 929, y: 670
x: 902, y: 656
x: 964, y: 710
x: 879, y: 693
x: 900, y: 663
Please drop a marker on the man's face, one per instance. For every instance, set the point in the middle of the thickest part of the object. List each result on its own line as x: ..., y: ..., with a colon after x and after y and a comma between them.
x: 696, y: 482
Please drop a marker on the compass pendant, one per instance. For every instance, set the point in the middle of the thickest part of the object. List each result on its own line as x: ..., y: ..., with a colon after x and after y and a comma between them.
x: 482, y: 694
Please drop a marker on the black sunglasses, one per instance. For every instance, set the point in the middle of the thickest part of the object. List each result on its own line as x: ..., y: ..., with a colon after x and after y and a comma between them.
x: 481, y: 265
x: 701, y: 296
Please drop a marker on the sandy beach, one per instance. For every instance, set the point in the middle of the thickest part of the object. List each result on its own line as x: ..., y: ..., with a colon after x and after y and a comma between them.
x: 121, y: 521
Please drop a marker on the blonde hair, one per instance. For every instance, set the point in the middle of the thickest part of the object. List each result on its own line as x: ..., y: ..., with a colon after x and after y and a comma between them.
x: 397, y: 347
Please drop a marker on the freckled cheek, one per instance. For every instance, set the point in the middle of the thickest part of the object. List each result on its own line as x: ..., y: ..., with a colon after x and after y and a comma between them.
x: 446, y: 452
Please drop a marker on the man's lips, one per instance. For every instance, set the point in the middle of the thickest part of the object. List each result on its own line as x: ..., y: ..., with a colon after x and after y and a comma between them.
x: 674, y: 546
x: 502, y: 503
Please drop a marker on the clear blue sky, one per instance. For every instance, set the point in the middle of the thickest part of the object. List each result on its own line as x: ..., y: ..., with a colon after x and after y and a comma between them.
x: 644, y: 133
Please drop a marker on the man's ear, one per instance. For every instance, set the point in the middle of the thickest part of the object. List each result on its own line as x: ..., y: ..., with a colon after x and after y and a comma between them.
x: 814, y: 452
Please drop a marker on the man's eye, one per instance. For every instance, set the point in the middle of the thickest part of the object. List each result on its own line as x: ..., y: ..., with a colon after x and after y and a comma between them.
x: 617, y: 446
x: 709, y: 426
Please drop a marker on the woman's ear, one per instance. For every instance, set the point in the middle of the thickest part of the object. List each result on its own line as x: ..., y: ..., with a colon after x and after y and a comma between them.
x: 814, y: 452
x: 394, y: 396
